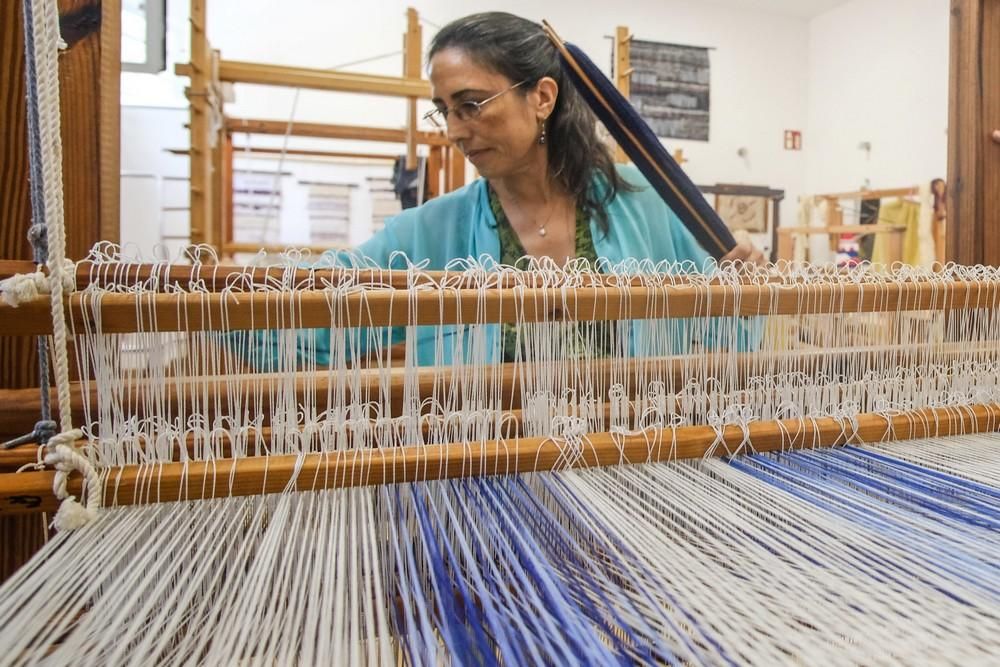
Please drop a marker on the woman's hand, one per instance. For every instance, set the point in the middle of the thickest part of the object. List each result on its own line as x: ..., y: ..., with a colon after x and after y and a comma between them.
x: 747, y: 252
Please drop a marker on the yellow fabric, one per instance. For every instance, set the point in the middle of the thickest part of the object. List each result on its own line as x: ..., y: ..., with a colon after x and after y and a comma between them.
x: 899, y: 212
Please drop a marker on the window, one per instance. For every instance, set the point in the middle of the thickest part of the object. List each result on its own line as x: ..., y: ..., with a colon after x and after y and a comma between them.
x: 144, y: 36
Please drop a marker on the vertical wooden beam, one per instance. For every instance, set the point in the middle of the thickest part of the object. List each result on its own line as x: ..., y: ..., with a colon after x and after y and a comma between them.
x: 86, y: 78
x: 15, y: 198
x: 973, y: 218
x: 89, y: 117
x: 218, y: 190
x: 110, y: 115
x: 834, y: 218
x: 434, y: 165
x: 455, y: 172
x: 18, y: 356
x: 227, y: 190
x: 623, y: 73
x: 412, y: 59
x: 88, y: 83
x: 201, y: 156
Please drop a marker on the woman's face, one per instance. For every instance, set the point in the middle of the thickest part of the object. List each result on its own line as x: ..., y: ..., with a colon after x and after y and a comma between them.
x: 503, y: 139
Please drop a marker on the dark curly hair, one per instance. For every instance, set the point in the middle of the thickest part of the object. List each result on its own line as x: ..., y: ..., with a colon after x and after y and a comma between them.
x: 519, y: 50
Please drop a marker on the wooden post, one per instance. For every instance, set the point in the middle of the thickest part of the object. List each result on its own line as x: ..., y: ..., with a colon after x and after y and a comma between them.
x: 89, y: 117
x: 325, y: 131
x: 786, y: 245
x: 434, y: 160
x: 623, y: 73
x: 201, y: 155
x: 227, y: 189
x: 973, y: 229
x: 109, y: 126
x: 939, y: 192
x: 455, y: 173
x: 218, y: 190
x: 834, y: 218
x: 412, y: 59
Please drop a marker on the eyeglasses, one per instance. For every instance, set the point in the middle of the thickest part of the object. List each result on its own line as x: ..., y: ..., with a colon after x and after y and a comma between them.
x: 464, y: 111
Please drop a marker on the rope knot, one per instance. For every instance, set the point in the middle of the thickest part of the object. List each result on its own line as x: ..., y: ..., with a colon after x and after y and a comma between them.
x: 25, y: 287
x: 65, y: 459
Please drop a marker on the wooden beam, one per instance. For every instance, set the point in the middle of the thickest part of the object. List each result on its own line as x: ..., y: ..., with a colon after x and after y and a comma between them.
x: 31, y: 492
x: 873, y: 194
x: 834, y: 219
x: 395, y: 386
x: 82, y: 90
x: 215, y: 277
x: 219, y: 179
x: 412, y: 59
x: 127, y: 313
x: 253, y: 248
x: 455, y: 173
x: 623, y: 74
x: 244, y: 151
x: 227, y: 188
x: 857, y: 230
x: 199, y: 91
x: 18, y: 356
x: 109, y: 84
x: 433, y: 174
x: 234, y: 71
x: 89, y: 121
x: 20, y: 536
x: 325, y: 131
x: 973, y: 229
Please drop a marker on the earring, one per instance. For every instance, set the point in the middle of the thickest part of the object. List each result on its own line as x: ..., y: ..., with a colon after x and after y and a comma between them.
x: 541, y: 137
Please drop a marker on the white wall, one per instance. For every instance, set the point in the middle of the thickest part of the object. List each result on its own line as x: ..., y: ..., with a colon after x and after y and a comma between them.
x: 878, y: 72
x: 151, y: 179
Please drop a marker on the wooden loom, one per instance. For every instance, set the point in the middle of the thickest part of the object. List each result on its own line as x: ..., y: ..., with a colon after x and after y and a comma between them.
x: 969, y: 242
x: 597, y: 298
x: 212, y: 149
x: 388, y: 306
x: 835, y: 227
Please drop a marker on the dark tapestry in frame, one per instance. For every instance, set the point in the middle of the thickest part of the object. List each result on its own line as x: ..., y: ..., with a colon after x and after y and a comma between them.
x: 669, y: 87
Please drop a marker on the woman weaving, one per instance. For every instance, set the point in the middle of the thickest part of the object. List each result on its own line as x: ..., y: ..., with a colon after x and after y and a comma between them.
x: 549, y: 187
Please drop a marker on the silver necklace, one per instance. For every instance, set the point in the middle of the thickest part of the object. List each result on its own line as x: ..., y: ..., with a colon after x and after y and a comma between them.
x: 539, y: 228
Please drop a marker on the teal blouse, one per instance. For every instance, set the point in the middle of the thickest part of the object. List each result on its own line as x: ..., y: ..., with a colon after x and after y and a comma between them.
x: 462, y: 225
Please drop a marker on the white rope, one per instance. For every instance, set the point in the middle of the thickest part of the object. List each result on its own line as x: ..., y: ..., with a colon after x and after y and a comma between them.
x: 63, y: 456
x: 46, y: 43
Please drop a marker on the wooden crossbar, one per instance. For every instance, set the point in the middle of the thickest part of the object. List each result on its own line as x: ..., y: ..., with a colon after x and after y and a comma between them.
x: 32, y: 491
x: 215, y: 277
x: 126, y: 313
x: 503, y: 381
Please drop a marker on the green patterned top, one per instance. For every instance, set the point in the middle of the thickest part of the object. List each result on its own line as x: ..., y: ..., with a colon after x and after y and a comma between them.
x: 512, y: 250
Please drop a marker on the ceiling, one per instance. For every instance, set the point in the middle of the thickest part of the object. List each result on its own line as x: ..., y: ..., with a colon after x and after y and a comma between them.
x: 799, y: 8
